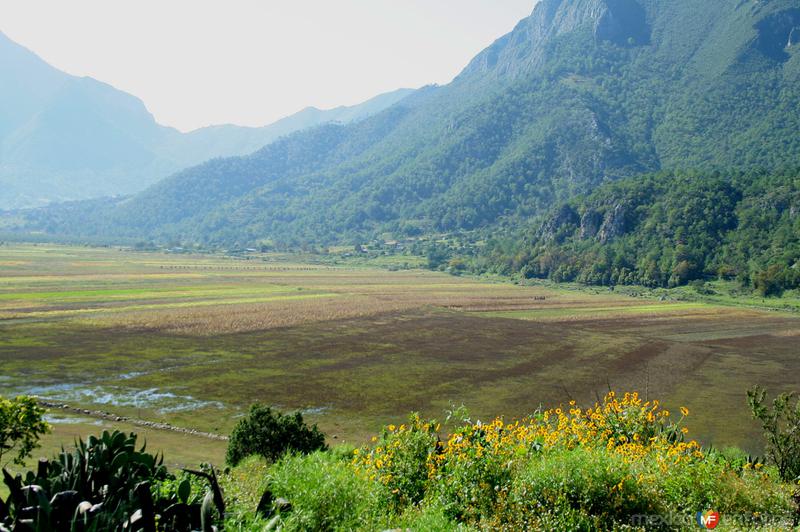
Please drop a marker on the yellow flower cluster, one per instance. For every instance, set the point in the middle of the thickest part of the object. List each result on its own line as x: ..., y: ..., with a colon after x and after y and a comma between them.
x: 398, y: 448
x: 628, y: 426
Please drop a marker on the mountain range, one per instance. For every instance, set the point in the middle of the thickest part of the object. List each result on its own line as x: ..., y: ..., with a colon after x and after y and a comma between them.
x: 64, y: 137
x: 580, y: 94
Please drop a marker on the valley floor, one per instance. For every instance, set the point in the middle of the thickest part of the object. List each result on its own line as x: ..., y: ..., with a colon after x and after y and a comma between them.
x: 192, y: 340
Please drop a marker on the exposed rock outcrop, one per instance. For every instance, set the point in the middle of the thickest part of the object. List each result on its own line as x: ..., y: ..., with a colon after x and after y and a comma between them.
x: 614, y: 224
x: 794, y: 37
x: 778, y: 31
x: 590, y: 224
x: 564, y: 216
x: 624, y: 22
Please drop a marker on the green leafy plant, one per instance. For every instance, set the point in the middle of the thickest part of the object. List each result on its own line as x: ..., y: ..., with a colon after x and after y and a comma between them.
x: 104, y: 483
x: 781, y: 424
x: 589, y: 482
x: 21, y: 425
x: 325, y: 494
x: 269, y: 433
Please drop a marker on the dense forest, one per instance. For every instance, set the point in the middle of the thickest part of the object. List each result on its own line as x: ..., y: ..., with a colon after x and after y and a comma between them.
x: 666, y: 230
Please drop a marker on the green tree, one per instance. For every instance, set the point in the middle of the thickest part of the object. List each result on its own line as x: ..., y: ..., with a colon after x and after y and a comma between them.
x: 270, y: 434
x: 437, y: 255
x: 21, y: 425
x: 771, y: 282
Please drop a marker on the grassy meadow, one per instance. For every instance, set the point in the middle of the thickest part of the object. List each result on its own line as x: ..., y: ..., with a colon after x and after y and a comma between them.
x: 192, y: 340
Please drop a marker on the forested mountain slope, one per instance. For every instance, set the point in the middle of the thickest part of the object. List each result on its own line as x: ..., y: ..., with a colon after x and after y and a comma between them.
x: 666, y: 229
x: 580, y: 93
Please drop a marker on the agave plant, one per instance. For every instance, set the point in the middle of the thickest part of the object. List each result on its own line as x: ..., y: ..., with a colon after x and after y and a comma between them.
x: 106, y: 484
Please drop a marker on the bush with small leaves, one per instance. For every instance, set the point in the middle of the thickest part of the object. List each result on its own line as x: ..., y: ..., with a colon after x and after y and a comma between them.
x: 326, y: 495
x: 781, y: 425
x: 269, y: 433
x: 21, y: 425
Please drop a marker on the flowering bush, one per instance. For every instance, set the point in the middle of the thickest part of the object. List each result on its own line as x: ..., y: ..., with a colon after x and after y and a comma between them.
x: 399, y: 459
x: 620, y: 457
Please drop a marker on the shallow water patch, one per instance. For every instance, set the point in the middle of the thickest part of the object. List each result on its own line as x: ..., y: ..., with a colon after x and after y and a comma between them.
x: 164, y: 402
x: 58, y: 419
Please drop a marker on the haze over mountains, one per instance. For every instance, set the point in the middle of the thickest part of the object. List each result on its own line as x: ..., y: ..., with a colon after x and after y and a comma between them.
x: 581, y: 93
x: 66, y: 138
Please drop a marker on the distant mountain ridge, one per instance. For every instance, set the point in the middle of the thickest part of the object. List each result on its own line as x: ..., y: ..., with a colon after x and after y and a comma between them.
x: 68, y: 138
x: 581, y: 93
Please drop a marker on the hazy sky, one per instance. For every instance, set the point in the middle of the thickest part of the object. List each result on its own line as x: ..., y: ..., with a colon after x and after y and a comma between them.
x: 250, y: 62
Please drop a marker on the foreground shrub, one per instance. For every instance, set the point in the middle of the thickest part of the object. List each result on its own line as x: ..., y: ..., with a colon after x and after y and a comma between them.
x: 781, y: 425
x: 470, y: 473
x: 21, y: 425
x: 591, y: 482
x: 270, y: 434
x: 753, y: 491
x: 430, y: 518
x: 325, y: 494
x: 473, y: 470
x: 400, y: 460
x: 621, y: 464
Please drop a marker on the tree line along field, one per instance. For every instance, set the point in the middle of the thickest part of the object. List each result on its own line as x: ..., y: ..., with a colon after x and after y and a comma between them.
x: 193, y: 340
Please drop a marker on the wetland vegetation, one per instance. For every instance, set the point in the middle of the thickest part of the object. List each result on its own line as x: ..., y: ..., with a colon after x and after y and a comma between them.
x: 193, y: 340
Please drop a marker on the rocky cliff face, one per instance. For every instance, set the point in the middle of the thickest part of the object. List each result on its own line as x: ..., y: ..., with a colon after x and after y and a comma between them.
x: 590, y: 224
x: 778, y: 32
x: 622, y: 22
x: 614, y: 224
x: 794, y: 37
x: 565, y: 216
x: 593, y: 223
